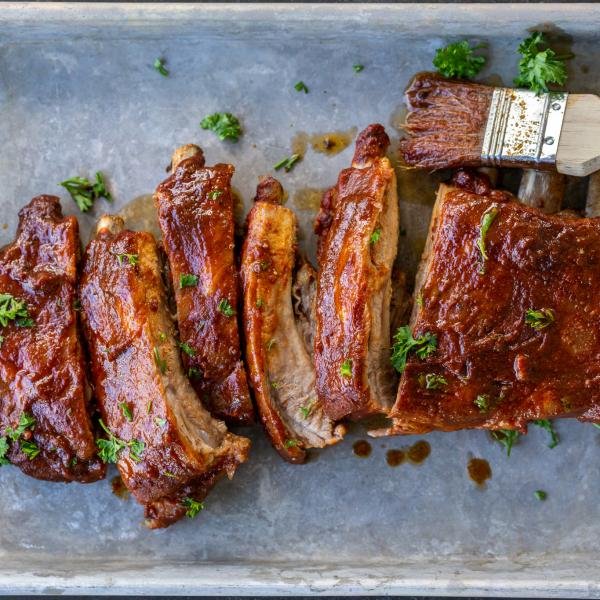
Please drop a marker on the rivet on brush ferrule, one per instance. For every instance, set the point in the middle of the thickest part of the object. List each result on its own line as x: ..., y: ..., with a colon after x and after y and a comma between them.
x: 523, y: 127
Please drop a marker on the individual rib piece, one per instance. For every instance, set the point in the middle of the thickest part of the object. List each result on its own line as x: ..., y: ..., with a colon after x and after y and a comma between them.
x: 517, y: 332
x: 278, y: 331
x: 358, y: 237
x: 42, y: 380
x: 172, y: 449
x: 195, y: 212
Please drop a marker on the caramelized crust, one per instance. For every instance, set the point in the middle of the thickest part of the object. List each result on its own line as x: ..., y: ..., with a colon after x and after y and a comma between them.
x: 485, y: 348
x: 142, y: 391
x: 279, y: 358
x: 195, y: 212
x: 352, y: 341
x: 41, y: 367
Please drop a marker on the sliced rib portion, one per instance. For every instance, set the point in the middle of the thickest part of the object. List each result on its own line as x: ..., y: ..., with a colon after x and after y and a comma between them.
x: 195, y: 212
x: 42, y: 380
x: 279, y: 331
x: 173, y: 448
x: 518, y: 334
x: 358, y: 231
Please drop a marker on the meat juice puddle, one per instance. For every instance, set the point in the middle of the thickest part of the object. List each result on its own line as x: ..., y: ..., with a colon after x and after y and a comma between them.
x: 415, y: 454
x: 140, y: 214
x: 479, y: 471
x: 330, y: 142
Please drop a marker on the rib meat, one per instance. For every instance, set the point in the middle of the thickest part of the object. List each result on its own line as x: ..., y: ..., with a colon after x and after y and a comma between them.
x: 358, y: 231
x: 195, y: 212
x: 143, y: 393
x: 500, y: 372
x: 278, y: 328
x: 41, y: 365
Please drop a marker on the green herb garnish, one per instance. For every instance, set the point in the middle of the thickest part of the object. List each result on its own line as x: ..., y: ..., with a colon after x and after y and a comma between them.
x: 307, y: 409
x: 187, y: 349
x: 126, y: 411
x: 29, y: 449
x: 225, y: 308
x: 161, y: 363
x: 291, y: 443
x: 132, y: 259
x: 193, y: 507
x: 507, y: 437
x: 540, y: 495
x: 260, y: 303
x: 538, y: 319
x: 549, y: 427
x: 358, y: 68
x: 3, y: 451
x: 538, y: 68
x: 482, y: 402
x: 84, y: 192
x: 375, y: 236
x: 225, y: 125
x: 159, y: 65
x: 159, y: 422
x: 187, y: 280
x: 301, y: 87
x: 432, y: 381
x: 109, y: 449
x: 13, y: 309
x: 26, y: 421
x: 215, y: 194
x: 346, y: 368
x: 486, y: 222
x: 287, y: 163
x: 458, y: 60
x: 404, y: 343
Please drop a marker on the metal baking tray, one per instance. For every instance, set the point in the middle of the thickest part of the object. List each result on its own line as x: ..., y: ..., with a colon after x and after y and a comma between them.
x: 78, y: 93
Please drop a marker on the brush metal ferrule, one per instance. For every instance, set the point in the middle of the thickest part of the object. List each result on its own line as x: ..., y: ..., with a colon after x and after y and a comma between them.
x: 523, y: 127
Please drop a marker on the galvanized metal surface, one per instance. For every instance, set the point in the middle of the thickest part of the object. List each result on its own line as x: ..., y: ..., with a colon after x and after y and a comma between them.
x: 78, y: 93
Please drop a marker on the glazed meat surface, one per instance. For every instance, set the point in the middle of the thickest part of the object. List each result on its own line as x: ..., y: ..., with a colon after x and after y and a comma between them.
x: 195, y: 212
x: 277, y: 324
x: 518, y: 334
x: 42, y: 380
x: 358, y: 231
x: 173, y: 449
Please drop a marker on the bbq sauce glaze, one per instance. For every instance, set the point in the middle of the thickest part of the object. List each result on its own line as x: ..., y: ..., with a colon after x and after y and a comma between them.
x: 479, y: 470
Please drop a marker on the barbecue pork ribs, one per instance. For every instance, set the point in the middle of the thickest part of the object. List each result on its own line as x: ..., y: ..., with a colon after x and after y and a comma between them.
x: 510, y: 295
x: 44, y: 408
x: 195, y: 212
x: 278, y: 318
x: 358, y: 231
x: 168, y: 448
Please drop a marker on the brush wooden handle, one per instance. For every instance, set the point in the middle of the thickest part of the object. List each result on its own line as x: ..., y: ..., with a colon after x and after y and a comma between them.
x: 579, y: 145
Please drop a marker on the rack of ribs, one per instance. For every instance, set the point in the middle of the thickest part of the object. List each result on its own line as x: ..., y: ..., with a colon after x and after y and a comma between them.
x: 195, y: 212
x: 44, y: 408
x: 167, y: 446
x: 510, y: 295
x: 358, y: 236
x: 279, y: 292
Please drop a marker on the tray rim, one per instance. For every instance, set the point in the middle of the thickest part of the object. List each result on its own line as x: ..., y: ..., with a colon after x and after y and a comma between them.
x: 552, y: 576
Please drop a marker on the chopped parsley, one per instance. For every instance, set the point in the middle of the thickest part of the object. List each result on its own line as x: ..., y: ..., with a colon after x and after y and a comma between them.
x: 29, y: 449
x: 193, y: 507
x: 3, y: 451
x: 159, y: 422
x: 215, y: 194
x: 507, y: 437
x: 187, y: 349
x: 432, y: 381
x: 538, y: 319
x: 225, y: 125
x: 537, y: 67
x: 301, y: 87
x: 132, y: 259
x: 187, y: 280
x: 358, y: 68
x: 84, y: 192
x: 307, y: 409
x: 482, y: 402
x: 26, y: 421
x: 375, y: 236
x: 458, y: 60
x: 541, y: 495
x: 13, y: 309
x: 346, y: 368
x: 159, y: 65
x: 549, y: 427
x: 109, y: 449
x: 291, y: 443
x: 404, y: 343
x: 225, y: 308
x: 161, y: 363
x: 486, y: 222
x: 126, y: 411
x: 287, y: 163
x: 260, y: 303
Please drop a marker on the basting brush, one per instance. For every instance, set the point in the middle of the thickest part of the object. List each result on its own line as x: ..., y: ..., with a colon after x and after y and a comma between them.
x: 455, y: 123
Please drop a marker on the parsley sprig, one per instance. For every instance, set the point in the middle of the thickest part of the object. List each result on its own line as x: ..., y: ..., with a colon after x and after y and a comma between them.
x: 458, y: 60
x: 540, y: 318
x: 225, y: 125
x: 404, y: 343
x: 109, y: 449
x: 225, y: 308
x: 159, y: 65
x: 29, y: 448
x: 193, y: 506
x: 549, y: 427
x: 13, y: 309
x: 507, y: 437
x: 84, y: 192
x: 287, y: 163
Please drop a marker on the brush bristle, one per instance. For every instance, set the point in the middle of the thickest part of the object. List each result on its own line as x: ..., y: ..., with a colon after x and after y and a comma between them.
x: 445, y: 124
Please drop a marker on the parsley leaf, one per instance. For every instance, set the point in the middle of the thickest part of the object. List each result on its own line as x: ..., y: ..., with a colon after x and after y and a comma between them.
x: 84, y: 192
x: 541, y: 495
x: 161, y: 363
x: 225, y: 308
x: 538, y: 68
x: 132, y: 259
x: 301, y: 87
x: 432, y: 381
x: 25, y: 422
x: 346, y: 368
x: 159, y: 422
x: 215, y: 194
x: 375, y: 236
x: 12, y: 309
x: 549, y: 427
x: 225, y: 125
x: 307, y: 409
x: 486, y: 222
x: 126, y: 411
x: 482, y: 402
x: 187, y: 349
x: 404, y: 342
x: 193, y: 506
x: 291, y: 443
x: 159, y: 65
x: 29, y: 449
x: 187, y: 280
x: 109, y: 449
x: 538, y: 319
x: 3, y: 451
x: 507, y: 437
x: 287, y: 163
x: 458, y: 60
x: 358, y: 68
